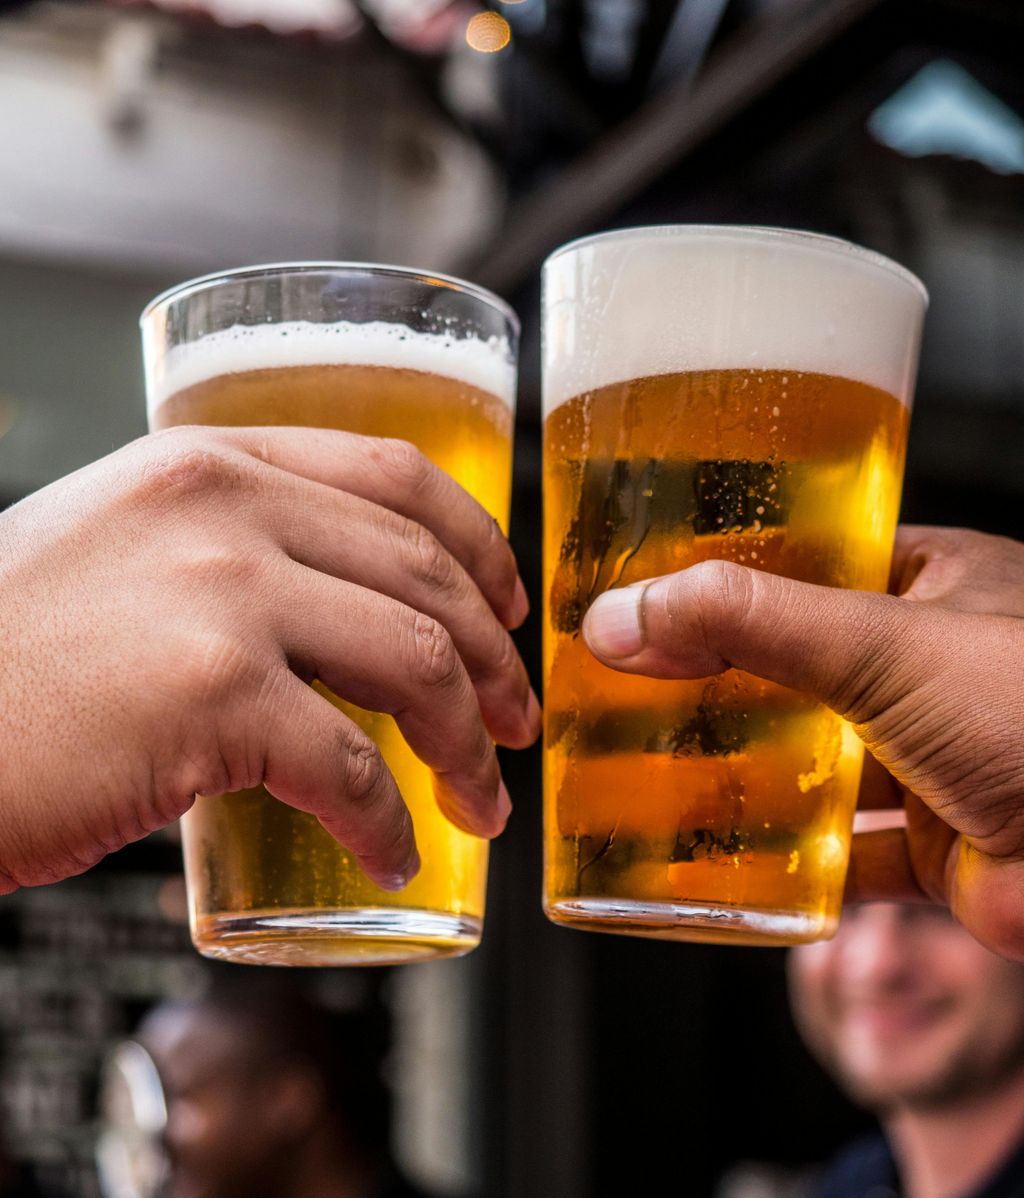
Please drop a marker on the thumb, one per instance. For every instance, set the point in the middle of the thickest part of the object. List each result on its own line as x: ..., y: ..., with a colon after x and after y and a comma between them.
x: 856, y: 651
x: 934, y: 692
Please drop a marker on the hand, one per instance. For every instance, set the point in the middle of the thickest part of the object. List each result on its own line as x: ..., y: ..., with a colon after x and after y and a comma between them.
x: 932, y: 678
x: 162, y: 610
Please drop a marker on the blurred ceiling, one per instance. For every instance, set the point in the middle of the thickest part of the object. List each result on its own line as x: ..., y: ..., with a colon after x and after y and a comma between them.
x: 693, y: 80
x: 424, y: 26
x: 333, y: 19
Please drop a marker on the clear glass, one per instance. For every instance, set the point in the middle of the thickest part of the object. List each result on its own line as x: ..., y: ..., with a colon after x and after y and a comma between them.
x: 377, y: 350
x: 711, y: 392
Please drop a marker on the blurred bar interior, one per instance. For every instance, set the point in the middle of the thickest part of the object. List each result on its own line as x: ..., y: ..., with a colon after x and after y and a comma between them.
x: 145, y: 141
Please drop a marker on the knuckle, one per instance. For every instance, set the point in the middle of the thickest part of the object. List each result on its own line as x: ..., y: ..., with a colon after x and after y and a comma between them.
x: 735, y: 586
x: 366, y: 776
x: 223, y: 565
x: 429, y: 561
x: 697, y: 614
x: 724, y: 596
x: 436, y: 664
x: 214, y: 667
x: 186, y: 465
x: 403, y: 463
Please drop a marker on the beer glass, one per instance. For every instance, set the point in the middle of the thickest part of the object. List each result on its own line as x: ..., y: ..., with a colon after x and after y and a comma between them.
x: 376, y: 350
x: 711, y: 392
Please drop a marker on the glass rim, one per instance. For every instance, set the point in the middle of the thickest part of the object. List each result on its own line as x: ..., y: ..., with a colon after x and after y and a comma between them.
x: 368, y: 269
x: 763, y: 233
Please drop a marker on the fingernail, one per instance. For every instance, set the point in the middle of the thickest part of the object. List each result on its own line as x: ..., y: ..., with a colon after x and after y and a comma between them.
x: 504, y: 803
x: 520, y: 604
x: 612, y: 626
x: 533, y: 713
x: 400, y: 880
x: 413, y: 868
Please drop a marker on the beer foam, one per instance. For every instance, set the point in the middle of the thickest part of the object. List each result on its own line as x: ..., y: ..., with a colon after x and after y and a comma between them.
x: 487, y: 365
x: 680, y: 298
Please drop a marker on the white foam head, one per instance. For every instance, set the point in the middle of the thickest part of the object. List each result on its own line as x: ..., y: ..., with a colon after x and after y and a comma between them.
x: 678, y: 298
x: 487, y: 365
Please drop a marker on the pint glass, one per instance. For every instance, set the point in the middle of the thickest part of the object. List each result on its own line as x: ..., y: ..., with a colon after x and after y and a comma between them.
x: 374, y: 350
x: 710, y: 392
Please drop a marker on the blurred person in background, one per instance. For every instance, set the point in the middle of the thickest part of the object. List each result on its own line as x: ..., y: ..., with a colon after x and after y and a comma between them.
x: 923, y: 1026
x: 270, y: 1095
x: 913, y: 1011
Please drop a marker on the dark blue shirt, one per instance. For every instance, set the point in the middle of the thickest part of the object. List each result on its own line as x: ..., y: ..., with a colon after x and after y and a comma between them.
x: 867, y: 1170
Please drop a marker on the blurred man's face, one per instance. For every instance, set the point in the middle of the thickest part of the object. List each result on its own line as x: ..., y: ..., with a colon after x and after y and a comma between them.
x: 220, y: 1140
x: 907, y: 1009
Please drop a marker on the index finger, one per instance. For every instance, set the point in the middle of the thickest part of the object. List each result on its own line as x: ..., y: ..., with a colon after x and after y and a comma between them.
x: 959, y: 568
x: 881, y: 869
x: 396, y: 475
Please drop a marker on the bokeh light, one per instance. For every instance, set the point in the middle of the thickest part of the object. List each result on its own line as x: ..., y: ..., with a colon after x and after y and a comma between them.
x: 488, y: 32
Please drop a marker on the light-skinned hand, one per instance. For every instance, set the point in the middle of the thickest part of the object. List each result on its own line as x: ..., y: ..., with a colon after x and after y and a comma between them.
x: 163, y: 610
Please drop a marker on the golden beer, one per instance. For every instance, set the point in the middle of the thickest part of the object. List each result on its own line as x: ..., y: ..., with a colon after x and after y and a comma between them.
x: 266, y: 883
x: 718, y: 809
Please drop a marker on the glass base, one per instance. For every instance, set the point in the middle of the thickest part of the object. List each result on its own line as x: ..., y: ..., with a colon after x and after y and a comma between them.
x: 344, y: 936
x: 702, y: 922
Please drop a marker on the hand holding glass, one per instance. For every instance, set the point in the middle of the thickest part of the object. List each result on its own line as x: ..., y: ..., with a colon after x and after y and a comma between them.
x: 710, y: 392
x: 369, y: 350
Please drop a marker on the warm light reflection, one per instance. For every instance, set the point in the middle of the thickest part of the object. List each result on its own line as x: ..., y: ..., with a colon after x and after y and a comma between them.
x: 488, y: 32
x: 434, y: 281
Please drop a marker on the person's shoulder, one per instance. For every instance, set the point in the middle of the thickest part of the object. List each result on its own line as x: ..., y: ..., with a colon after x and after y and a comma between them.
x: 864, y: 1169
